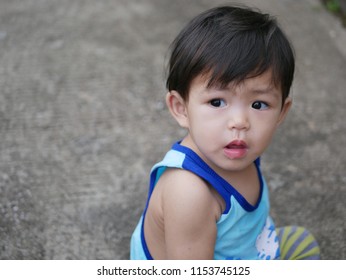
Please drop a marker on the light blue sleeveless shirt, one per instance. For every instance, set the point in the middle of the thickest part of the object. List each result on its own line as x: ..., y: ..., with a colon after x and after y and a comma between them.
x: 244, y: 231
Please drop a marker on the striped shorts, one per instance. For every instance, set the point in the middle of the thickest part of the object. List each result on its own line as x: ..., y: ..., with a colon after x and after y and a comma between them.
x: 296, y: 243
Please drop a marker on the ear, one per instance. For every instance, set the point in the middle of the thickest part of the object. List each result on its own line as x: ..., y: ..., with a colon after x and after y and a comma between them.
x: 177, y: 107
x: 284, y: 110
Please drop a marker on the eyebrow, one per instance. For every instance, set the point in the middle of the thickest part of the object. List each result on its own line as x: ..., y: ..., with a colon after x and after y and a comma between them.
x: 260, y: 90
x: 266, y: 90
x: 263, y: 89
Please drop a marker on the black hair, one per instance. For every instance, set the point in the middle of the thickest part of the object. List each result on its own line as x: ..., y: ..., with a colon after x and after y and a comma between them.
x: 230, y: 44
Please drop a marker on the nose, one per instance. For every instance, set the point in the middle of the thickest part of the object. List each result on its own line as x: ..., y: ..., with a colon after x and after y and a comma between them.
x: 238, y: 119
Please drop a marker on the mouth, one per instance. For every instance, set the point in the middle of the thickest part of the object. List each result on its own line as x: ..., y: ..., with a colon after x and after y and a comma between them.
x: 236, y: 149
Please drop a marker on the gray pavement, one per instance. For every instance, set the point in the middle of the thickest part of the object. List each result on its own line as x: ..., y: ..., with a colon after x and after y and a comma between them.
x: 82, y: 120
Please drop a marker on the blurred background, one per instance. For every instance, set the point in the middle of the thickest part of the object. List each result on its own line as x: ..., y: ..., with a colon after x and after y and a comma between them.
x: 83, y: 119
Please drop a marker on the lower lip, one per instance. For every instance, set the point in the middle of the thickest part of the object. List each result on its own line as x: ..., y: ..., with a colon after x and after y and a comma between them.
x: 235, y: 153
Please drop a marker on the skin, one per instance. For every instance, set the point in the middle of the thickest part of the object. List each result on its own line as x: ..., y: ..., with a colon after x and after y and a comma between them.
x: 228, y: 128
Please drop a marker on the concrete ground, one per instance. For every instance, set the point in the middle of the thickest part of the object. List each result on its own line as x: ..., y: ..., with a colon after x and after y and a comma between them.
x: 82, y: 120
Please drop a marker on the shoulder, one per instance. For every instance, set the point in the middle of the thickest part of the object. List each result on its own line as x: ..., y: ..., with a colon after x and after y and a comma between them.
x: 184, y: 192
x: 190, y: 212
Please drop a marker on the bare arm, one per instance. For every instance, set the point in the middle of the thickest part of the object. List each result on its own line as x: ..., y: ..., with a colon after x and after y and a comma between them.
x: 190, y: 212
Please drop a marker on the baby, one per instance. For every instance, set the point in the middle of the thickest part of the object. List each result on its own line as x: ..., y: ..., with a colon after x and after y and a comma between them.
x: 230, y: 74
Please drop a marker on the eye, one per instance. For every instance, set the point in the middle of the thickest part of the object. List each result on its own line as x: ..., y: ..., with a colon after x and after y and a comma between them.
x: 259, y: 105
x: 217, y: 102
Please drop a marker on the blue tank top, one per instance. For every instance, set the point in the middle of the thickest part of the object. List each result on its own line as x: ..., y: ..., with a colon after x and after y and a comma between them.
x: 244, y: 231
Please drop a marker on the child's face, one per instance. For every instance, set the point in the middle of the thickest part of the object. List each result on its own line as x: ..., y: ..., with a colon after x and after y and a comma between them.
x: 229, y: 128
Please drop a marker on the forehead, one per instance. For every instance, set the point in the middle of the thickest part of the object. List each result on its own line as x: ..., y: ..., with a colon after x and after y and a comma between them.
x: 261, y: 83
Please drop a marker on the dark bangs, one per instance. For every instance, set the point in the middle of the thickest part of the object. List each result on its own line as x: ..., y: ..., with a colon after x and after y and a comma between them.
x: 230, y: 44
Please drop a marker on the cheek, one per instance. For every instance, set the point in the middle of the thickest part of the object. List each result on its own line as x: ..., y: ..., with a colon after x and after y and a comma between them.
x: 205, y: 132
x: 264, y: 131
x: 204, y: 129
x: 203, y: 121
x: 264, y: 127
